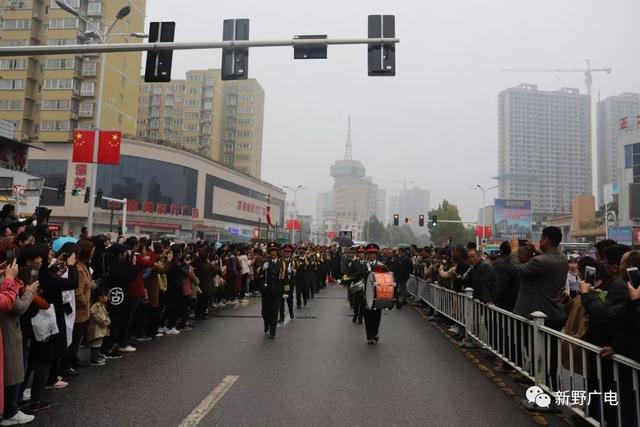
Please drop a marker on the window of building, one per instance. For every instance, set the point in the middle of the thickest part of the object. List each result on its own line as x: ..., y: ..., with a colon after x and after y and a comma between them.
x: 56, y: 105
x: 55, y: 125
x: 62, y: 42
x: 13, y: 64
x: 245, y: 110
x: 23, y: 42
x: 16, y: 24
x: 11, y: 104
x: 194, y: 78
x: 85, y: 126
x: 17, y: 84
x: 138, y: 178
x: 87, y: 88
x: 54, y: 172
x: 228, y: 147
x: 208, y: 106
x: 72, y: 3
x: 18, y: 4
x: 89, y: 68
x: 60, y: 64
x: 59, y: 84
x: 58, y: 23
x: 94, y: 8
x: 85, y: 109
x: 194, y: 91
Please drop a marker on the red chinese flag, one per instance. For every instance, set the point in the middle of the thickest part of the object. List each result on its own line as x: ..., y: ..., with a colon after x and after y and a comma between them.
x: 83, y: 146
x: 109, y: 148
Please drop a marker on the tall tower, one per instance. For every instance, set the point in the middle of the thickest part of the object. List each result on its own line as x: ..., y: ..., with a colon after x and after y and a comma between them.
x: 354, y: 195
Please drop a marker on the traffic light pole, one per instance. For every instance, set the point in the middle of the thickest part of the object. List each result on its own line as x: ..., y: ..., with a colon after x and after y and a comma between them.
x: 157, y: 47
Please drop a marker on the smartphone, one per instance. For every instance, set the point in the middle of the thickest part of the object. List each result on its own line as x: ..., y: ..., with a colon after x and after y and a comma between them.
x: 634, y: 276
x: 11, y: 254
x: 590, y: 275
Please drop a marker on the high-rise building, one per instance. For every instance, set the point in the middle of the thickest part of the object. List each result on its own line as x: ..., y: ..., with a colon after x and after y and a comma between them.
x: 354, y: 195
x: 203, y: 114
x: 324, y: 202
x: 184, y: 113
x: 47, y: 97
x: 609, y: 112
x: 381, y: 205
x: 544, y: 150
x: 411, y: 203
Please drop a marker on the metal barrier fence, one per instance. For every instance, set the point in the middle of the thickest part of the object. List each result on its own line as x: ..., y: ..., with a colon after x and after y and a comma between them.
x: 571, y: 371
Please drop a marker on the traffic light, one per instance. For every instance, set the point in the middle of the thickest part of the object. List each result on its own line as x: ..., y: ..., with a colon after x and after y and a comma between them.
x: 62, y: 187
x: 158, y: 68
x: 396, y: 219
x: 99, y: 197
x: 421, y: 220
x: 434, y: 221
x: 75, y: 192
x: 382, y: 57
x: 235, y: 61
x: 87, y: 195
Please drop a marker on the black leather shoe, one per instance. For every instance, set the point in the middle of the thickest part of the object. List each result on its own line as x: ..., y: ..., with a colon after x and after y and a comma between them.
x: 359, y: 321
x: 272, y: 337
x: 354, y: 319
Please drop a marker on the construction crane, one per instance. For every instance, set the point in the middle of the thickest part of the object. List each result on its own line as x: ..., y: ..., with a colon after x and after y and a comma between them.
x: 588, y: 78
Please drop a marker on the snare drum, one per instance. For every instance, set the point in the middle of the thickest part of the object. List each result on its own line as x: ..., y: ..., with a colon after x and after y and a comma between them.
x: 379, y: 291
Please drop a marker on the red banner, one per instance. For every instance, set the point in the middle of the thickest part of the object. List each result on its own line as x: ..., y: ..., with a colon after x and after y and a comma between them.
x: 109, y: 147
x: 332, y: 234
x: 293, y: 224
x: 487, y: 231
x: 83, y: 146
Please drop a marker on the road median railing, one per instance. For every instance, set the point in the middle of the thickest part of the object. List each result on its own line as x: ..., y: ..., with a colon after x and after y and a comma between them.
x: 579, y: 381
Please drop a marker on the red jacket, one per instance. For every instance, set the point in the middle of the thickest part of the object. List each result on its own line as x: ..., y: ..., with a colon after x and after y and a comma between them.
x: 136, y: 288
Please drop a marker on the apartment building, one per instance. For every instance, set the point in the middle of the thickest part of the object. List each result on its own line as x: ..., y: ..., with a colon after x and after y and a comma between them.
x: 48, y: 97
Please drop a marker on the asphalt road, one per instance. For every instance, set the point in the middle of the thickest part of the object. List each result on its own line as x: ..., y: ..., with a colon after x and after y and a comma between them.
x: 318, y: 372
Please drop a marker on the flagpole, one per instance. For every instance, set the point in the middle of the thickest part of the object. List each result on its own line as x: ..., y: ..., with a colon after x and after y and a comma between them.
x: 96, y: 143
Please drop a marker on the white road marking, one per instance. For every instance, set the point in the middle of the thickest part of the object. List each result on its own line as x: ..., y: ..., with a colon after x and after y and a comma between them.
x: 207, y: 404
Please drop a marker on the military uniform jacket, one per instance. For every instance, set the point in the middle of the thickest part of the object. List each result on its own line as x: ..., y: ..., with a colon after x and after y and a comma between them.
x: 289, y: 272
x: 302, y: 271
x: 273, y: 277
x: 357, y: 271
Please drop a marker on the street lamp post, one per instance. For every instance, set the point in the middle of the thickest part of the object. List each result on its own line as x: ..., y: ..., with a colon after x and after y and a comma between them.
x: 295, y: 206
x: 104, y: 38
x: 484, y: 197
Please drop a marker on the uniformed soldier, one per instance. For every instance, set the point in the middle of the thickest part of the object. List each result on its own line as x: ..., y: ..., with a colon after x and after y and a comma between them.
x: 372, y: 317
x: 302, y: 278
x: 357, y: 274
x: 288, y: 282
x: 272, y: 290
x: 324, y: 267
x: 314, y: 268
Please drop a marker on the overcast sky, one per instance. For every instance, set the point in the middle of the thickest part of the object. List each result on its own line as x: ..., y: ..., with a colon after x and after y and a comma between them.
x: 436, y: 122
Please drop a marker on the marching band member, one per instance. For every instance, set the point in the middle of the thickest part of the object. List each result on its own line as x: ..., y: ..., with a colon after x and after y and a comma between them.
x: 372, y: 317
x: 272, y: 290
x: 288, y: 282
x: 357, y: 274
x: 302, y: 278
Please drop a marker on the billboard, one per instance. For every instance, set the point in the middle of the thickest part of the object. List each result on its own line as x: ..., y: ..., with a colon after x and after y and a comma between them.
x: 513, y: 218
x: 622, y: 235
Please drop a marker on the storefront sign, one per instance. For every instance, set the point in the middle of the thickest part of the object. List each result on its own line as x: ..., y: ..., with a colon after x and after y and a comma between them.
x: 159, y: 225
x: 236, y: 205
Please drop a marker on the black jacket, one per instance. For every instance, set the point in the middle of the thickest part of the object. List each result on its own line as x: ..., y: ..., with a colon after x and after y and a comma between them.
x: 273, y: 283
x: 606, y: 318
x: 483, y: 281
x: 507, y: 283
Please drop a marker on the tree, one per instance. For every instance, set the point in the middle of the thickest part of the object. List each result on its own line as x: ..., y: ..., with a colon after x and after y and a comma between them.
x: 394, y: 235
x: 374, y: 230
x: 443, y: 231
